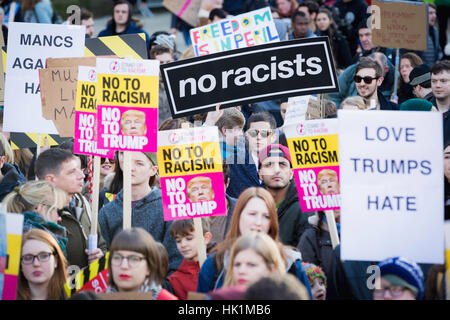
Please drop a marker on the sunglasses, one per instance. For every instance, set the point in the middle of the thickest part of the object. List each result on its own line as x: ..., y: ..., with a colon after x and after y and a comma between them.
x: 264, y: 133
x: 103, y: 160
x: 367, y: 80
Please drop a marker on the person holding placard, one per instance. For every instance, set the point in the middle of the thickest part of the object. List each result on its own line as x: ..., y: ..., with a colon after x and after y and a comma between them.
x: 186, y: 277
x: 275, y: 170
x: 261, y: 131
x: 315, y: 243
x: 255, y: 211
x: 144, y: 269
x: 147, y: 208
x: 42, y: 268
x: 62, y: 169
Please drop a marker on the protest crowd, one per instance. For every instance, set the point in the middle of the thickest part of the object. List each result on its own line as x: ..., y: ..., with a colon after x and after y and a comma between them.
x: 259, y: 236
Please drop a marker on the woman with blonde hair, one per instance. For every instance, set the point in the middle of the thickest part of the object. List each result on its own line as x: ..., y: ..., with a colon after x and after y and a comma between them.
x: 39, y: 202
x: 353, y: 103
x: 252, y: 257
x: 42, y: 268
x: 255, y: 211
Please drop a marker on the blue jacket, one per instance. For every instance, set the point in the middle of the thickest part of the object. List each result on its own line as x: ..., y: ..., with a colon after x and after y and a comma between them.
x: 131, y: 29
x: 211, y: 278
x: 147, y: 214
x: 347, y: 86
x: 243, y: 173
x: 12, y: 177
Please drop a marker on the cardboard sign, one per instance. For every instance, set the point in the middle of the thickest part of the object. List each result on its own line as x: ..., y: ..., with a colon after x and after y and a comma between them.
x: 86, y: 115
x: 58, y: 85
x: 400, y: 24
x: 186, y: 10
x: 313, y: 146
x: 260, y: 73
x: 245, y: 30
x: 190, y: 167
x: 14, y: 227
x: 29, y: 45
x: 127, y: 104
x: 392, y: 185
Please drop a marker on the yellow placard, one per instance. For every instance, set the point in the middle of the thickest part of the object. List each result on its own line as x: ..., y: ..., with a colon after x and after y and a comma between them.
x: 316, y: 151
x: 14, y: 250
x: 86, y: 97
x: 189, y: 159
x: 128, y: 91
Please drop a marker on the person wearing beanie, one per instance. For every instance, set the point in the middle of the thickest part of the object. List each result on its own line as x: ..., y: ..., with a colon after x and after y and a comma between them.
x: 317, y: 281
x: 146, y: 203
x: 400, y: 279
x: 417, y: 105
x: 275, y: 170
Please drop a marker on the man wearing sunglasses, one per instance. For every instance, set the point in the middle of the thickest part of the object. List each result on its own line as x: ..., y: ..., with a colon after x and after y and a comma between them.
x: 368, y: 77
x: 244, y: 168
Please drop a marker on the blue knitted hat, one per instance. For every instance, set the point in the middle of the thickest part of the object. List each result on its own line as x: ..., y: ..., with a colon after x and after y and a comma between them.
x: 406, y: 270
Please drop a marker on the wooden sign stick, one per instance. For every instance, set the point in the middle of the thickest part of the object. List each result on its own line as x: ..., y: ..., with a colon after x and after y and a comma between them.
x: 126, y: 190
x: 198, y: 228
x: 94, y: 214
x: 332, y: 228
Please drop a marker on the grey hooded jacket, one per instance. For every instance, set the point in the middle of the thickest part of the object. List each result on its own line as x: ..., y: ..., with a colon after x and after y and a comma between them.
x: 146, y: 214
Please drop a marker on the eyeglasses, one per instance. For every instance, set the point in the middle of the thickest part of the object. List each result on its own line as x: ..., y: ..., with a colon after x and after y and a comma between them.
x: 394, y: 291
x: 367, y: 80
x: 132, y: 260
x: 41, y: 256
x: 264, y: 133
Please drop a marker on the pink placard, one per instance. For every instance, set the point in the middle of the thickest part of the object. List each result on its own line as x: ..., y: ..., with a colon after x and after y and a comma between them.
x: 85, y: 136
x: 318, y: 188
x: 127, y: 129
x: 9, y: 287
x: 205, y: 197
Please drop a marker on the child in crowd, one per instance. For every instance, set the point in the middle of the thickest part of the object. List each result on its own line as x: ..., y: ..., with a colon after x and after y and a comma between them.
x: 317, y: 281
x: 186, y: 277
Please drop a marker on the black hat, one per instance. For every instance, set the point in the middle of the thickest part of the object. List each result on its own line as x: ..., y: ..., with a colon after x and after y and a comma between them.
x: 420, y: 75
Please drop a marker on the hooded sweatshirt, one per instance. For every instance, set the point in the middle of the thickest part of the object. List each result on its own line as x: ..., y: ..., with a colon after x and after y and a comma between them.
x: 146, y: 214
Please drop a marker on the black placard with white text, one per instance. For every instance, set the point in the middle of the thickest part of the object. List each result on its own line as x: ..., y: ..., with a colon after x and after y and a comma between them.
x: 248, y: 75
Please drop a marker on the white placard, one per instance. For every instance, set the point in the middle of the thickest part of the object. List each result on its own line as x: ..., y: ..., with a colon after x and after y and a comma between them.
x: 296, y: 109
x: 29, y: 45
x: 392, y: 189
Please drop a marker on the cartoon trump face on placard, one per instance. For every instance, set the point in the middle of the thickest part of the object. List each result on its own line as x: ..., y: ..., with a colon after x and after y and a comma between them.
x: 133, y: 123
x: 327, y: 181
x: 200, y: 189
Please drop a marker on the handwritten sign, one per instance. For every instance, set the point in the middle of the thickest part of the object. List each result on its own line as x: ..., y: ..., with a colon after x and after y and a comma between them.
x: 392, y: 185
x: 245, y: 30
x: 403, y: 24
x: 29, y: 45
